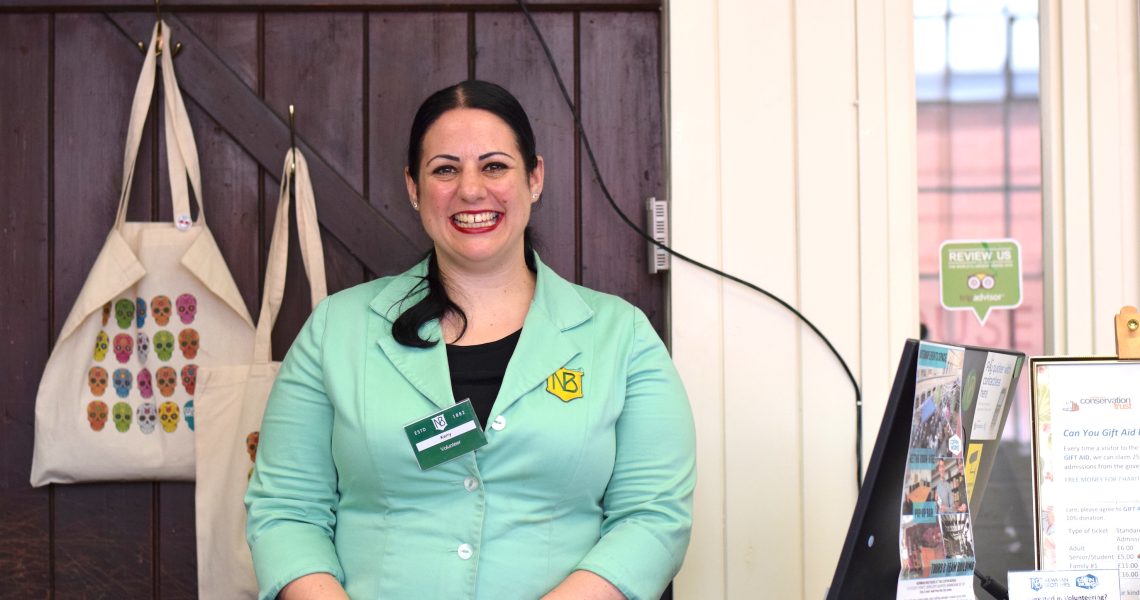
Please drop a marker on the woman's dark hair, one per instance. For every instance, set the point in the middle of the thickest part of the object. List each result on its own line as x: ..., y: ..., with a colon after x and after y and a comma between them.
x: 481, y: 95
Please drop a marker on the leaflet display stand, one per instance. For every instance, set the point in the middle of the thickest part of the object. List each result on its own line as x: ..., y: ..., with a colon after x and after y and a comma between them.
x: 869, y: 563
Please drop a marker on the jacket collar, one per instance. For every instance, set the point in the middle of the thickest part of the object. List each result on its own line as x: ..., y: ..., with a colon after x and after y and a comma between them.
x: 543, y: 347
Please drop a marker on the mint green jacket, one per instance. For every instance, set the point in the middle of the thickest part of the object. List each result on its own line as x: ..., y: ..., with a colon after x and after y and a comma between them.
x: 602, y: 483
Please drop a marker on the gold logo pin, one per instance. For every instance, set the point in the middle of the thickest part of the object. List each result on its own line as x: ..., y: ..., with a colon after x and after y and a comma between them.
x: 566, y: 384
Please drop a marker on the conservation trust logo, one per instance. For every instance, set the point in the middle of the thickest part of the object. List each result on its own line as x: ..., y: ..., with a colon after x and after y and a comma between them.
x: 1116, y: 402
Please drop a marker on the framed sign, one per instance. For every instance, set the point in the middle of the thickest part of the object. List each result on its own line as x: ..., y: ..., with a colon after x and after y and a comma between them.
x: 1086, y: 459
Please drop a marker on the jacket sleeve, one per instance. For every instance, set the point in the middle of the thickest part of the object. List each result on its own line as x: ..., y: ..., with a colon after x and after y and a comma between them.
x: 292, y: 497
x: 647, y: 507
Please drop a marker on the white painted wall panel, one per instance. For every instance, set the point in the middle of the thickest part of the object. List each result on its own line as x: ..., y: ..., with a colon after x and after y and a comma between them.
x: 900, y: 175
x: 791, y: 161
x: 696, y: 297
x: 759, y: 243
x: 1104, y: 164
x: 1077, y: 187
x: 1128, y: 147
x: 1089, y: 107
x: 1052, y: 180
x: 827, y: 201
x: 871, y: 96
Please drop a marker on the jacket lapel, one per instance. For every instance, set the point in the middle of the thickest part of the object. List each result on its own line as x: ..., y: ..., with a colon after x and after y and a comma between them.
x: 425, y: 368
x: 544, y: 345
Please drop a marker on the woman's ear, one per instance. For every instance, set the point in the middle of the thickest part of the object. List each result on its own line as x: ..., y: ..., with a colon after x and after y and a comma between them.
x: 536, y: 179
x: 413, y: 192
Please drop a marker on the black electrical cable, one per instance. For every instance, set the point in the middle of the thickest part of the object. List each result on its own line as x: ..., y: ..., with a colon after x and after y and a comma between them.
x: 992, y: 586
x: 641, y: 232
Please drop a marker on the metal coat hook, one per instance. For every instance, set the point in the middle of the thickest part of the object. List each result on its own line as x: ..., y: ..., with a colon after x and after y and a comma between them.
x: 292, y: 140
x: 158, y: 42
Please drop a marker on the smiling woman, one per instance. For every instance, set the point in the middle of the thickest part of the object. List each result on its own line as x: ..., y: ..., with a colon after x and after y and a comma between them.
x: 570, y: 493
x: 474, y: 193
x: 477, y: 184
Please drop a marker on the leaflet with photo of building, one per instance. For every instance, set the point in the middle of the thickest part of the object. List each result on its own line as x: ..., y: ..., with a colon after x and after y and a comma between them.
x: 935, y: 538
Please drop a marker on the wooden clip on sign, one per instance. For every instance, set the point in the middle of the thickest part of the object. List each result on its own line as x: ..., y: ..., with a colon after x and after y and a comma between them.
x: 1128, y: 333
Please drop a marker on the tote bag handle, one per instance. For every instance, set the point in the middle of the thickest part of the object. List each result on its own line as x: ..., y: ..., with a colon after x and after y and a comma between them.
x: 181, y: 153
x: 312, y: 254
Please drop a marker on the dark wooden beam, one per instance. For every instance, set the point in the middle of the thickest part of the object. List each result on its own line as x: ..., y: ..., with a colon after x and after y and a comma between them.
x: 299, y: 5
x: 371, y: 238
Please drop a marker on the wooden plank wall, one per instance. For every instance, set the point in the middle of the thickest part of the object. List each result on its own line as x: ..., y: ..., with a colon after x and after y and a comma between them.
x: 356, y: 75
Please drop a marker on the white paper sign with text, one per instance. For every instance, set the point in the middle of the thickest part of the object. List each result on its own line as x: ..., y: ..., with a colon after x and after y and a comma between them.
x: 1102, y: 584
x: 1087, y: 420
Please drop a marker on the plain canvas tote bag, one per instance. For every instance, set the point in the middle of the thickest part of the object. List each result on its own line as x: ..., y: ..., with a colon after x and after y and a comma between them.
x: 232, y: 401
x: 116, y: 400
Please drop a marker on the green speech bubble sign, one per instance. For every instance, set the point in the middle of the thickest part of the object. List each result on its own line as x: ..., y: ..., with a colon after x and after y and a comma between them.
x: 980, y: 275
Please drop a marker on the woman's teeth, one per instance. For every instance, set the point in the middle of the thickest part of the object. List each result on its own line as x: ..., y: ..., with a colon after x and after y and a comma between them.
x: 483, y: 219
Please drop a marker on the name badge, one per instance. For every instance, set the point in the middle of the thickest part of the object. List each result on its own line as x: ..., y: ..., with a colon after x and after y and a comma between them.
x: 445, y: 435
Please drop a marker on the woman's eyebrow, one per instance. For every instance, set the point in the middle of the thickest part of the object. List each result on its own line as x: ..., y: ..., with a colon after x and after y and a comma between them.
x: 481, y: 156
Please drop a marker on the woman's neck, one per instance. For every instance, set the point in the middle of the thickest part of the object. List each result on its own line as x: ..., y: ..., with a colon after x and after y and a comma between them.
x: 495, y: 302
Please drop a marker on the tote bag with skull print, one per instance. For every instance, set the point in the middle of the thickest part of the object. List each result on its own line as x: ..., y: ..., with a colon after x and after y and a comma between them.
x: 232, y: 401
x: 116, y: 401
